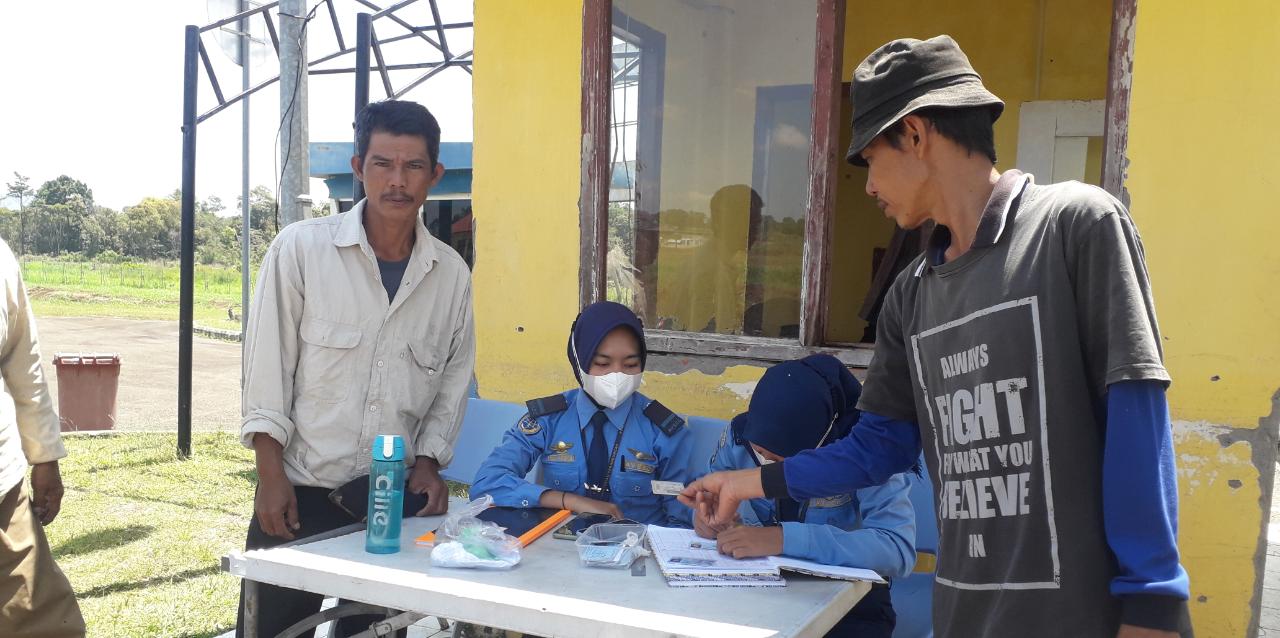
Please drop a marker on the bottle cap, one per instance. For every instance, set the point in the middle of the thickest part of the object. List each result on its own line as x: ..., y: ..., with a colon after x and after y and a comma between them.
x: 388, y: 447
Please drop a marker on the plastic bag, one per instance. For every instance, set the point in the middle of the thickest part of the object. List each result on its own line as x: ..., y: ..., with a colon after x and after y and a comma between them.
x: 463, y: 540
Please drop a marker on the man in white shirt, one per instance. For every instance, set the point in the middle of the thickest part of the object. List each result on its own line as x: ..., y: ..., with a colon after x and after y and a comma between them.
x: 37, y: 598
x: 361, y: 325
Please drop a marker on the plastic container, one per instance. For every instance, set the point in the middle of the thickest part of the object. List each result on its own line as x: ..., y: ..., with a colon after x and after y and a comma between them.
x: 612, y: 545
x: 386, y: 495
x: 87, y: 386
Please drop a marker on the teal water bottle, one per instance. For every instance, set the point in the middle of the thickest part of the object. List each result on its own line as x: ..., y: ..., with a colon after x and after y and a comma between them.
x: 386, y: 495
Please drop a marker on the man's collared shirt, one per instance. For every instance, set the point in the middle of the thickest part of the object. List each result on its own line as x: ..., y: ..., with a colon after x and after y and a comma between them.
x: 29, y: 430
x: 330, y: 363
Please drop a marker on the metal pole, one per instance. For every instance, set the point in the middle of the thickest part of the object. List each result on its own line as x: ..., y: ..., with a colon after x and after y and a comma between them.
x: 245, y: 226
x: 364, y: 27
x: 186, y: 294
x: 295, y: 175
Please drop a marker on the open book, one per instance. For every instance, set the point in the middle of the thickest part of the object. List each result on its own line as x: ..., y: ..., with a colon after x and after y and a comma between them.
x: 688, y: 560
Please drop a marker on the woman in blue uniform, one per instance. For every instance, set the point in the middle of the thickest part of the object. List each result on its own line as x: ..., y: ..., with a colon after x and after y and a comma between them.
x: 796, y: 406
x: 600, y: 444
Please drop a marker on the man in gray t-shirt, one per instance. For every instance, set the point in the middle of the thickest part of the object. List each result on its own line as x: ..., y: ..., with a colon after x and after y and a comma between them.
x: 1021, y: 354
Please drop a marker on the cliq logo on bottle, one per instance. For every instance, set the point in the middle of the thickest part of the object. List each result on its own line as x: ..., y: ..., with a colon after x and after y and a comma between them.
x: 381, y: 500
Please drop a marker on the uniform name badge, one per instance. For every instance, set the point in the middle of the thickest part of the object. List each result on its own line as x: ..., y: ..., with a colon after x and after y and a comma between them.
x: 635, y: 466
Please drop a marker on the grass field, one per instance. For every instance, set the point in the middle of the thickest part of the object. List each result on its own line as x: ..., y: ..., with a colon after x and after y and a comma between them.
x: 143, y: 555
x: 132, y: 291
x: 141, y: 533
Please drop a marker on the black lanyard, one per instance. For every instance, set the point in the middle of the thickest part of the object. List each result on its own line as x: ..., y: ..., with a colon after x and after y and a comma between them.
x: 613, y: 456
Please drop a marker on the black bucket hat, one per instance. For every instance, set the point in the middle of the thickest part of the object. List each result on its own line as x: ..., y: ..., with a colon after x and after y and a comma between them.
x: 907, y: 75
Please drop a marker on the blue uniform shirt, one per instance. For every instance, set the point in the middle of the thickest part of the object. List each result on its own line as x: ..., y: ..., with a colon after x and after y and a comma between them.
x: 561, y: 440
x: 873, y: 528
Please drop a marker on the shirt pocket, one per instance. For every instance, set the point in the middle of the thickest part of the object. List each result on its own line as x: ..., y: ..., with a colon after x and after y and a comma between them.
x: 632, y: 485
x: 560, y: 475
x: 834, y: 510
x: 325, y: 364
x: 426, y: 364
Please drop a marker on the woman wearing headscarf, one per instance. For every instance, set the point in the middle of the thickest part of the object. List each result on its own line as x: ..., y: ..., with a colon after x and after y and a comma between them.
x: 796, y: 406
x: 600, y: 444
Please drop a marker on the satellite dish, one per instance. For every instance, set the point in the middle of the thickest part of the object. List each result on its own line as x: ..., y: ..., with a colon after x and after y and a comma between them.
x: 229, y: 36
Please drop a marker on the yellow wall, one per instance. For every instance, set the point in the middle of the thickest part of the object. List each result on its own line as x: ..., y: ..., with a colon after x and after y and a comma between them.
x: 1003, y: 40
x: 528, y: 126
x: 1202, y: 147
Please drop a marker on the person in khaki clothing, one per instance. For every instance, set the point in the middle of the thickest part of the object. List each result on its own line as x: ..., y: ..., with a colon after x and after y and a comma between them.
x: 361, y: 325
x: 37, y: 598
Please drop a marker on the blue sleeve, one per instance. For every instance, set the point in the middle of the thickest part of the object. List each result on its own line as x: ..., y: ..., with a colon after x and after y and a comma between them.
x: 675, y: 464
x: 730, y: 456
x: 722, y: 458
x: 884, y: 543
x: 501, y: 475
x: 874, y: 450
x: 1140, y: 503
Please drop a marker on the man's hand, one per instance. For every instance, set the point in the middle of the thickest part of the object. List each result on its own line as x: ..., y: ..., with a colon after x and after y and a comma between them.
x: 1133, y: 631
x: 276, y: 503
x: 745, y: 541
x: 723, y: 492
x: 425, y: 479
x: 579, y: 504
x: 46, y: 491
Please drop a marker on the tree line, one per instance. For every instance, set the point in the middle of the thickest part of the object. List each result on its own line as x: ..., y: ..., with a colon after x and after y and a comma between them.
x: 61, y: 219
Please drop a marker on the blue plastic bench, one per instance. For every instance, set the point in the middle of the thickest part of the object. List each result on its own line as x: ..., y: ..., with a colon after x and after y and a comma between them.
x: 482, y: 428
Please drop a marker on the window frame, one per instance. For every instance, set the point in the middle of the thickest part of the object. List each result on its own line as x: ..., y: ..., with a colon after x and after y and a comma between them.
x: 824, y: 158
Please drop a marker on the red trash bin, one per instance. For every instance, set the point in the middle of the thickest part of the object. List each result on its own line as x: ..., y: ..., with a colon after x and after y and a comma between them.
x: 87, y: 385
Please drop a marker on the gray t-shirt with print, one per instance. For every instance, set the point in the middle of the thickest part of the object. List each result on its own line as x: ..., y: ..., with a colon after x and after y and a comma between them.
x: 1003, y: 356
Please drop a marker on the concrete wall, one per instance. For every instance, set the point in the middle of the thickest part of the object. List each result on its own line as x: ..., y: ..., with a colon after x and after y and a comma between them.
x: 1202, y: 177
x: 1202, y: 145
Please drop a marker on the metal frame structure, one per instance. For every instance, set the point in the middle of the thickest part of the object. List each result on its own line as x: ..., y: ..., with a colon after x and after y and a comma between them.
x: 196, y: 55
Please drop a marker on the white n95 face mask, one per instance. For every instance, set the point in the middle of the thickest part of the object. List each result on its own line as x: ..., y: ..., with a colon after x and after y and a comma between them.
x: 610, y: 390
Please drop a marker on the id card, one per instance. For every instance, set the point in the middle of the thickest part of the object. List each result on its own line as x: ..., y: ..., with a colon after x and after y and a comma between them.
x: 666, y: 488
x: 691, y: 561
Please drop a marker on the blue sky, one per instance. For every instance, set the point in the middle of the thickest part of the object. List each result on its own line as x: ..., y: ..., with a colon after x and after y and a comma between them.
x: 93, y: 89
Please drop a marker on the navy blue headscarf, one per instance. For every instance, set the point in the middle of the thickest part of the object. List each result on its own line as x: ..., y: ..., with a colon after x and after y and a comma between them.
x: 590, y: 328
x: 797, y: 402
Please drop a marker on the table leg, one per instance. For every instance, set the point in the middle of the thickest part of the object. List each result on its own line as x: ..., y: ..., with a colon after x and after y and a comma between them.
x: 250, y: 608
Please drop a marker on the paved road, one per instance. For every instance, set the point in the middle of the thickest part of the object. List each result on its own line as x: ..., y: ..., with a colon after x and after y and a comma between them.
x: 148, y: 395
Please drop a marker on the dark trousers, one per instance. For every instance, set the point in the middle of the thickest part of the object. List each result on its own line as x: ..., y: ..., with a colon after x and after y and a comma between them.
x: 280, y: 607
x: 872, y: 617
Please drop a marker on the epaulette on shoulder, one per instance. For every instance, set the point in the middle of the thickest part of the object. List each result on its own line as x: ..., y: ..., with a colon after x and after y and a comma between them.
x: 666, y: 420
x: 547, y: 405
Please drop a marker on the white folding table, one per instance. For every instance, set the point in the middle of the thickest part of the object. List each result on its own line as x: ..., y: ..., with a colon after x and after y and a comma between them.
x: 547, y: 594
